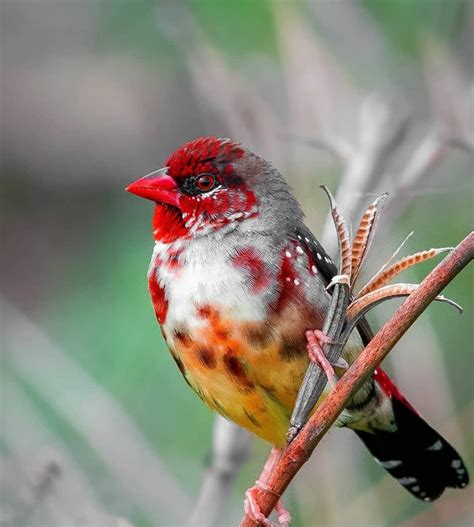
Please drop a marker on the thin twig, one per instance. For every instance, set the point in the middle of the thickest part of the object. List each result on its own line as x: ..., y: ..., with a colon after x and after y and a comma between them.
x: 299, y: 451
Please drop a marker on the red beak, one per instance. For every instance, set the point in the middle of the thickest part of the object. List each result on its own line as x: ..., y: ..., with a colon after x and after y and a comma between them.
x: 157, y: 186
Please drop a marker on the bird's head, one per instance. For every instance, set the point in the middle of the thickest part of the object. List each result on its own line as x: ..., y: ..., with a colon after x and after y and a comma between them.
x: 215, y: 185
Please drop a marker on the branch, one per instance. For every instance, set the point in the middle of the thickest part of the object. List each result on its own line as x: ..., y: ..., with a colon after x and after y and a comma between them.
x: 230, y: 448
x: 299, y: 451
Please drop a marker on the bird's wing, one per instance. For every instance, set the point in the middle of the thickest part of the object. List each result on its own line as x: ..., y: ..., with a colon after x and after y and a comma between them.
x: 322, y: 260
x: 327, y: 270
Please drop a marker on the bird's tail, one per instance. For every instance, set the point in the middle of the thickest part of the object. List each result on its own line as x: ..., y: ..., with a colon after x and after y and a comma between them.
x: 414, y: 453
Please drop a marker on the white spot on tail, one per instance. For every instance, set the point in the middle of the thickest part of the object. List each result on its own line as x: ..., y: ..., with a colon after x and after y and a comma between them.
x: 437, y: 445
x: 319, y: 256
x: 416, y: 488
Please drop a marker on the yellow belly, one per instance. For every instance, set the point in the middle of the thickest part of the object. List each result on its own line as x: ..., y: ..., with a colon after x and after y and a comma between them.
x: 249, y: 372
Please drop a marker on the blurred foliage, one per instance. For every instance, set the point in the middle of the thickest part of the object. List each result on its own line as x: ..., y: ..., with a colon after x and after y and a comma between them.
x: 407, y: 23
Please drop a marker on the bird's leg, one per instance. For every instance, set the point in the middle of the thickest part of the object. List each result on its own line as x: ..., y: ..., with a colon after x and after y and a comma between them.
x: 251, y: 507
x: 316, y: 339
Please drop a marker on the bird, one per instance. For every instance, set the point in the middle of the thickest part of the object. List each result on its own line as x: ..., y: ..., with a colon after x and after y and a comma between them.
x: 238, y: 284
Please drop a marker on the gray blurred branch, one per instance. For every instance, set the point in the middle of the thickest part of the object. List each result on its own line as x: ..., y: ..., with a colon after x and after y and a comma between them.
x: 230, y: 449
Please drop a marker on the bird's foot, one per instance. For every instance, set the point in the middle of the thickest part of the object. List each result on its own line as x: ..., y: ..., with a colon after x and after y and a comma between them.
x: 284, y: 516
x: 253, y: 511
x: 316, y: 339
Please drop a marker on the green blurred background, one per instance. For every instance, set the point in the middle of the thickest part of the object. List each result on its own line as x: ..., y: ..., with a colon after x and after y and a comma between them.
x: 98, y: 427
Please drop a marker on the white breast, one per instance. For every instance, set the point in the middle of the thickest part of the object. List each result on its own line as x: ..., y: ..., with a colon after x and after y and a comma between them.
x: 204, y: 276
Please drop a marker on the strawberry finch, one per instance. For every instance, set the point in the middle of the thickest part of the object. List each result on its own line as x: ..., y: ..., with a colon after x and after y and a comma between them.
x: 237, y: 280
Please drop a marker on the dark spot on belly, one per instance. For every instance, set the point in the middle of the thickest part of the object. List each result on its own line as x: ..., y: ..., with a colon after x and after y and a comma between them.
x: 258, y: 335
x: 270, y: 393
x: 292, y: 349
x: 204, y: 311
x: 270, y: 389
x: 206, y: 357
x: 183, y: 337
x: 236, y: 370
x: 221, y: 334
x: 252, y: 419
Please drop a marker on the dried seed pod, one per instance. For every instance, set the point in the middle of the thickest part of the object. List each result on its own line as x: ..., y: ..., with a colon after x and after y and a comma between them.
x: 344, y: 238
x: 369, y: 300
x: 390, y: 272
x: 364, y: 235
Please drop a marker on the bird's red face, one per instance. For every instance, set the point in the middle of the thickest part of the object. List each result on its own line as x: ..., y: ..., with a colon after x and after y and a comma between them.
x: 199, y: 190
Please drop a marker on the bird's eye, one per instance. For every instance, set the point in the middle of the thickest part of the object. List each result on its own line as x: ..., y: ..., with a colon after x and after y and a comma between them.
x: 206, y: 182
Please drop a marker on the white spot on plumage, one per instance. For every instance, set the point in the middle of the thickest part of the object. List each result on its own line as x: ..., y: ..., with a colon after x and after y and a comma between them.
x: 297, y: 282
x: 319, y: 256
x: 314, y: 269
x: 456, y: 463
x: 299, y: 250
x: 391, y: 463
x: 235, y: 216
x: 416, y: 488
x: 288, y: 254
x: 407, y: 480
x: 306, y: 239
x: 437, y: 445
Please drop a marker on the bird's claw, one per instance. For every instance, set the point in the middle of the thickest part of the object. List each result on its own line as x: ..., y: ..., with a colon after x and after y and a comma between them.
x: 284, y: 516
x: 316, y: 354
x: 253, y: 511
